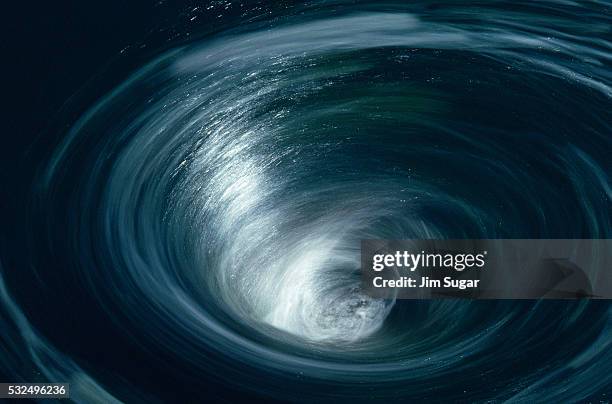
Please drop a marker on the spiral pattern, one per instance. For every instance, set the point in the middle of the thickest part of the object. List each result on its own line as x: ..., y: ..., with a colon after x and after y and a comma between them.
x: 212, y: 205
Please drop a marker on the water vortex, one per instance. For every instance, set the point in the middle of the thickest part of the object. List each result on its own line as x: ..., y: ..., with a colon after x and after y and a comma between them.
x: 213, y: 203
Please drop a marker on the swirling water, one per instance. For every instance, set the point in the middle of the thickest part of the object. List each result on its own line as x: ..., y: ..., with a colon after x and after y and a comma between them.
x: 211, y: 206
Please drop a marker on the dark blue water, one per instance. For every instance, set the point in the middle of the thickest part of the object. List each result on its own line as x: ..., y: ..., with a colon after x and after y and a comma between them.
x: 203, y: 217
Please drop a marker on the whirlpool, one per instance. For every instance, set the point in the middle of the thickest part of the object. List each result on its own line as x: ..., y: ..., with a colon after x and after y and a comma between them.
x: 193, y: 232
